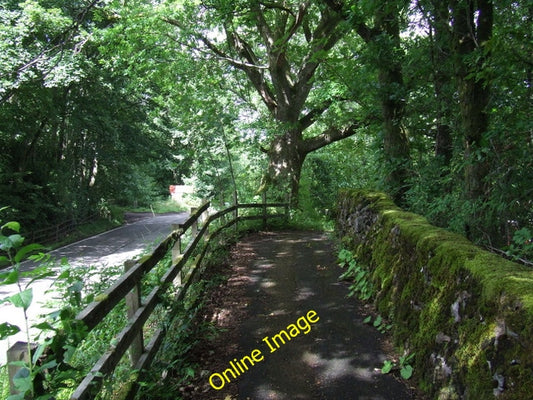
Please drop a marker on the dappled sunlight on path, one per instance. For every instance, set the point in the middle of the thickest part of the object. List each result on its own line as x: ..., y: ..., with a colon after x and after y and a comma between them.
x: 335, y: 357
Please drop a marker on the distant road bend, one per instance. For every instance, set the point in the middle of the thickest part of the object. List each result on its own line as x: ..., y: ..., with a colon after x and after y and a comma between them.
x: 142, y: 233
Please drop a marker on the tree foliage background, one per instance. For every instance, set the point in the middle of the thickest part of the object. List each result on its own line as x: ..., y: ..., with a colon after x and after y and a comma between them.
x: 111, y: 101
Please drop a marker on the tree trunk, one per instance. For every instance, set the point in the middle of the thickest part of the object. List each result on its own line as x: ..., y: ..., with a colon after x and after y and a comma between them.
x: 473, y: 85
x: 474, y: 90
x: 285, y: 161
x: 442, y: 80
x: 395, y: 142
x: 393, y: 98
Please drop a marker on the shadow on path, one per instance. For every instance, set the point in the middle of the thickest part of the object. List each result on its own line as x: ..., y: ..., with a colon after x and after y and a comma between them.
x: 287, y: 275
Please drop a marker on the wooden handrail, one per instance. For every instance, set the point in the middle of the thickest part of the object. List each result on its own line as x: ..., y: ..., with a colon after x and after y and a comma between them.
x: 96, y: 311
x: 194, y: 216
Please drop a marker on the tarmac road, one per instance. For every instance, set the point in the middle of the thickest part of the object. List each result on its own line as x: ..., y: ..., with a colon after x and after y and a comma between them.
x: 104, y: 250
x: 303, y: 337
x: 339, y: 357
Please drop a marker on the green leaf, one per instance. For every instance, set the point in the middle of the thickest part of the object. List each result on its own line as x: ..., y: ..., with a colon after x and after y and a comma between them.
x: 406, y: 372
x: 16, y: 240
x: 5, y: 243
x: 76, y: 287
x: 406, y: 358
x: 21, y: 364
x: 69, y: 353
x: 23, y: 380
x: 40, y: 257
x: 26, y: 250
x: 367, y: 320
x: 10, y: 277
x: 377, y: 321
x: 7, y: 329
x: 38, y: 353
x: 189, y: 372
x: 48, y: 365
x: 45, y: 397
x: 44, y: 326
x: 345, y: 256
x: 18, y: 396
x: 387, y: 367
x: 42, y: 272
x: 13, y: 225
x: 22, y: 299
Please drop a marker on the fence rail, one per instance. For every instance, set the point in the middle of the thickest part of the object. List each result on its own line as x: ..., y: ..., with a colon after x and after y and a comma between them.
x: 57, y: 232
x: 128, y: 286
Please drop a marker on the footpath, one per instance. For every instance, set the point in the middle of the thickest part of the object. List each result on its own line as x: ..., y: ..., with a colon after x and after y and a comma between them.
x: 290, y: 332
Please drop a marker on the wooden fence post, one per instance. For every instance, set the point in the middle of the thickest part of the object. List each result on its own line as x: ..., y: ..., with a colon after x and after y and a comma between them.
x: 236, y: 212
x: 133, y: 303
x: 176, y: 252
x: 17, y: 352
x: 264, y: 197
x: 205, y: 217
x: 194, y: 227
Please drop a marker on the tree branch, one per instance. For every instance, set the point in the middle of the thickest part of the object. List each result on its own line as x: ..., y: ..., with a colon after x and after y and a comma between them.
x: 298, y: 20
x: 255, y: 76
x: 330, y: 135
x: 366, y: 33
x: 263, y: 28
x: 324, y: 38
x: 56, y: 43
x: 211, y: 46
x: 310, y: 118
x: 276, y: 6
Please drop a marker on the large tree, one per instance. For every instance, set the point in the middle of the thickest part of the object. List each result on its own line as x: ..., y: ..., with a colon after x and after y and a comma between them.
x: 279, y: 46
x: 472, y: 24
x: 379, y: 25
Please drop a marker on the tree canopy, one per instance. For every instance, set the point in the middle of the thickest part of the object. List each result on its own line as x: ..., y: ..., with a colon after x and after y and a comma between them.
x: 111, y: 101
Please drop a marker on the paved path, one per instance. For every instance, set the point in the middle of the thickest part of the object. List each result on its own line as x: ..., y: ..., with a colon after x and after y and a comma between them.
x: 107, y: 249
x: 288, y: 275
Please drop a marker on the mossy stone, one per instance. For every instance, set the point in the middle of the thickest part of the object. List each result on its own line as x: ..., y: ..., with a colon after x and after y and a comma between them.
x: 450, y: 301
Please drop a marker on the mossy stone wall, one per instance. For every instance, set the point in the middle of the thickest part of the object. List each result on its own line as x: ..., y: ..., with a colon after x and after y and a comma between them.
x: 465, y: 312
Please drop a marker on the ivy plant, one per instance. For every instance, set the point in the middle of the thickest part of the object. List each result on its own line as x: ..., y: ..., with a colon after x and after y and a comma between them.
x: 357, y: 274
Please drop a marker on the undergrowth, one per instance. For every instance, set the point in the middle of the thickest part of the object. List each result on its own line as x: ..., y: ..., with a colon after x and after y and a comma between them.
x: 362, y: 287
x: 172, y: 368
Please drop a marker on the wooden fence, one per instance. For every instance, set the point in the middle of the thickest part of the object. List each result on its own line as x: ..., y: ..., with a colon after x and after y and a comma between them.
x: 128, y: 287
x: 57, y: 232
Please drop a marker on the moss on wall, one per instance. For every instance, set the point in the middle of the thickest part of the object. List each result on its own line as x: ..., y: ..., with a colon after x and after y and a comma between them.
x: 465, y: 312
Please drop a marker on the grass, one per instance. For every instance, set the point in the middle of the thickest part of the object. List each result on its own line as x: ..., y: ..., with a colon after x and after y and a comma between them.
x: 160, y: 206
